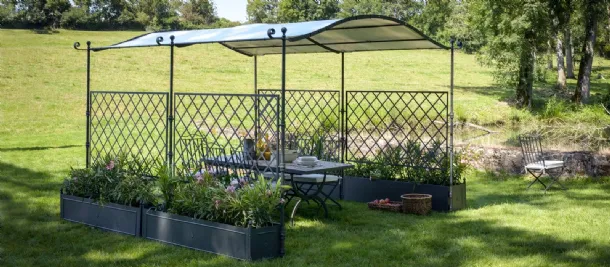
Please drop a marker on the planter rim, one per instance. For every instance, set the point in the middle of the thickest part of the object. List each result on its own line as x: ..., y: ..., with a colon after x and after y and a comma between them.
x: 188, y: 219
x: 415, y: 196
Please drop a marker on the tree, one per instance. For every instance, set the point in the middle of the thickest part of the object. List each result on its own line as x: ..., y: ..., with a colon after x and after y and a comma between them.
x: 304, y: 10
x: 514, y: 32
x: 569, y: 50
x: 262, y: 11
x: 593, y: 10
x: 198, y: 12
x: 558, y: 10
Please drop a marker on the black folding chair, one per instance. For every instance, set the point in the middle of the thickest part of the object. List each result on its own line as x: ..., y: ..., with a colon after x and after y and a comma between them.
x: 535, y: 163
x: 327, y: 150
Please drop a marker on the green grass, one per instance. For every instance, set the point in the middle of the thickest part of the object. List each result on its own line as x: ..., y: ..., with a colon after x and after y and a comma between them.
x: 42, y: 129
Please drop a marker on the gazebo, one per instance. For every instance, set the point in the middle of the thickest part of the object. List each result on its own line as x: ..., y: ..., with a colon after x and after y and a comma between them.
x: 365, y: 123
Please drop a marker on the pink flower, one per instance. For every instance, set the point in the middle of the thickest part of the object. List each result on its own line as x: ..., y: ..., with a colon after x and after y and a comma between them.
x: 217, y: 203
x: 110, y: 165
x: 230, y: 189
x: 282, y: 201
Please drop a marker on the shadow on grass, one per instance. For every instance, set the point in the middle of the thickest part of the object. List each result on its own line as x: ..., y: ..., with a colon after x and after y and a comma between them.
x: 32, y: 232
x: 36, y: 148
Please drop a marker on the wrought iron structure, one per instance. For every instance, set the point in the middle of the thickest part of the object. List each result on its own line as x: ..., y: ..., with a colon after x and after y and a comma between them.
x: 224, y: 122
x: 129, y: 123
x: 176, y: 119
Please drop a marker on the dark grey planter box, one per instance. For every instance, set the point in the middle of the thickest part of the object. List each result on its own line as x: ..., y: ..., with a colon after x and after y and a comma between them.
x: 364, y: 190
x: 109, y: 216
x: 236, y: 242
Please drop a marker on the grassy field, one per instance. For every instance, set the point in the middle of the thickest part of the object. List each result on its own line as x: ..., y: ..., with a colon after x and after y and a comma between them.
x: 42, y: 82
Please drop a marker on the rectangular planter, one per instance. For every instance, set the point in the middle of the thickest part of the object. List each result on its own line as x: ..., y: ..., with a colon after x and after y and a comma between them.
x: 364, y: 190
x: 109, y: 216
x: 224, y: 239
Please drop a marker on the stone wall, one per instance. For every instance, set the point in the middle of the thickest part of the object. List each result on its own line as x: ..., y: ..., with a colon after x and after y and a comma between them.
x: 510, y: 160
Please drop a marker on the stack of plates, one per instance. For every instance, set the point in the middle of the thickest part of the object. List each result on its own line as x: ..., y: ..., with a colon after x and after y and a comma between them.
x: 307, y: 161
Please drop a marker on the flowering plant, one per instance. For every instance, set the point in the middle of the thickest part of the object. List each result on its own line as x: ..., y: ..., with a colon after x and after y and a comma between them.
x: 113, y: 179
x: 242, y: 202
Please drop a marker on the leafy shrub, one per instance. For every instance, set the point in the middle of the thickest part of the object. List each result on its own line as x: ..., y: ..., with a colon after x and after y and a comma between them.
x: 114, y: 179
x: 555, y: 109
x: 244, y: 202
x: 409, y: 163
x: 239, y: 201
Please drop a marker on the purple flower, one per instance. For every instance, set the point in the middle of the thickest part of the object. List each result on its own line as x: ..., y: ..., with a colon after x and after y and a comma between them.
x: 110, y: 165
x: 230, y: 189
x: 234, y: 182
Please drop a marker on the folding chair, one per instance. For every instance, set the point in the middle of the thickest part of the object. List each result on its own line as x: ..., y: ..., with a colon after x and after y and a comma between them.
x: 537, y: 165
x: 327, y: 150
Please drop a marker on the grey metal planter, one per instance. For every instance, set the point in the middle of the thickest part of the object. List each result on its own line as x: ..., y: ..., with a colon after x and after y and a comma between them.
x: 364, y: 190
x: 224, y: 239
x: 109, y: 216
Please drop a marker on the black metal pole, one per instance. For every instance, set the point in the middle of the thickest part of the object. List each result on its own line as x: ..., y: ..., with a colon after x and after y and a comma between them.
x: 256, y: 110
x: 88, y: 112
x: 451, y: 131
x: 283, y: 125
x: 170, y: 108
x: 342, y: 120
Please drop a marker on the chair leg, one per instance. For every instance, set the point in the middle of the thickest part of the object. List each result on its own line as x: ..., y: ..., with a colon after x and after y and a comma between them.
x: 555, y: 179
x: 536, y: 179
x: 294, y: 211
x: 327, y: 196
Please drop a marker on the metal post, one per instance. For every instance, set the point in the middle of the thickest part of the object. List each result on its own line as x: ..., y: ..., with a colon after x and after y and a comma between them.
x: 88, y: 112
x: 170, y: 108
x: 283, y: 126
x: 342, y: 120
x: 256, y: 111
x: 451, y: 131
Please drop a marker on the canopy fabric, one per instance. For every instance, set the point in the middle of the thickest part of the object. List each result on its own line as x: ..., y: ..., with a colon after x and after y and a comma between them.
x: 358, y: 33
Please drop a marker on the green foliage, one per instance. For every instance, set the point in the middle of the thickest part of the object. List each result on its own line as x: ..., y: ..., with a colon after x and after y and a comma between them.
x: 409, y: 163
x: 262, y: 11
x: 242, y: 203
x: 114, y: 179
x: 228, y: 199
x: 555, y: 109
x: 305, y: 10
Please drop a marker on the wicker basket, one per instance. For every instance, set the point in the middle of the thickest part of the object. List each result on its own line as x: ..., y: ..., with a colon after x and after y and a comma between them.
x: 393, y: 206
x: 420, y: 204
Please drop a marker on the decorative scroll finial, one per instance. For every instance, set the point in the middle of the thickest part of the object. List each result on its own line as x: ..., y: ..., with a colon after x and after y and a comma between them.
x: 159, y: 40
x: 76, y: 45
x: 270, y: 33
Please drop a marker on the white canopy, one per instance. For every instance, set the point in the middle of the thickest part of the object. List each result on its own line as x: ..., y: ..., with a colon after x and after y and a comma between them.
x: 358, y: 33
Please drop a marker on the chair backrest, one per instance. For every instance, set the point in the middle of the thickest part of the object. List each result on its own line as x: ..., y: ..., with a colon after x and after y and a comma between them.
x: 324, y: 149
x: 532, y: 149
x: 192, y: 150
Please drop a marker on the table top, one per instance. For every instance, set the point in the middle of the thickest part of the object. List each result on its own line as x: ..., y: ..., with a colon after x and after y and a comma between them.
x: 290, y: 168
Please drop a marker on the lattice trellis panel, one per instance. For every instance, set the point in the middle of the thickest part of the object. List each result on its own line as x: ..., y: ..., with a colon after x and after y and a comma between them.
x: 311, y: 113
x: 129, y: 123
x: 223, y: 122
x: 402, y: 128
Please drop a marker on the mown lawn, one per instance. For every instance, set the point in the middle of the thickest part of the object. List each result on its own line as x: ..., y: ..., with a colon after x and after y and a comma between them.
x: 42, y: 135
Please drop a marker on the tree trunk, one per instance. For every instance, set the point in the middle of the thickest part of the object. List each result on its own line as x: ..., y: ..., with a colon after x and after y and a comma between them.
x: 569, y: 54
x: 549, y: 60
x: 582, y: 92
x: 527, y: 61
x: 561, y: 75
